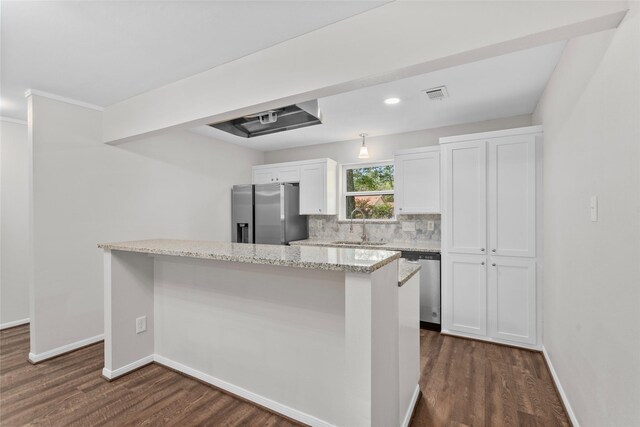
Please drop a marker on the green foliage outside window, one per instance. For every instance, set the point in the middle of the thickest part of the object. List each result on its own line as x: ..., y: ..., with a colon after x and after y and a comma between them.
x: 375, y: 178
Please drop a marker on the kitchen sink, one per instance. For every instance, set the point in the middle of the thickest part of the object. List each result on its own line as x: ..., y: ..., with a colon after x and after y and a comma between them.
x: 357, y: 243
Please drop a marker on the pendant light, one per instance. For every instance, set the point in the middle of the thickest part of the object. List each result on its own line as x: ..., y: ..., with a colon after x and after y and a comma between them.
x: 364, y: 152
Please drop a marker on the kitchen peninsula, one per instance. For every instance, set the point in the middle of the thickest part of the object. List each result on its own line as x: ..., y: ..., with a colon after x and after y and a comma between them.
x: 326, y: 336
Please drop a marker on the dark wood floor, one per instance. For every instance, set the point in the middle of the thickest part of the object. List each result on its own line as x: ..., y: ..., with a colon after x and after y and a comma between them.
x: 463, y: 383
x: 473, y: 383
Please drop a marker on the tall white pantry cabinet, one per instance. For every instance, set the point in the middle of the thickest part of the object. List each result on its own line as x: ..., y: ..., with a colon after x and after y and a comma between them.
x: 491, y: 235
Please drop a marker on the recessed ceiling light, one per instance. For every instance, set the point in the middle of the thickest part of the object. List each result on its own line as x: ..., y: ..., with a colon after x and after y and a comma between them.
x: 391, y: 101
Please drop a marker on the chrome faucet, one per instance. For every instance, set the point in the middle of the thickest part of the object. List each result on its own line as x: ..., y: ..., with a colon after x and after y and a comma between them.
x: 364, y: 224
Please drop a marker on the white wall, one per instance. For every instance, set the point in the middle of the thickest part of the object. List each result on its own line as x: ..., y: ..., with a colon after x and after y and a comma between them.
x: 84, y: 192
x: 14, y: 225
x: 382, y: 147
x: 591, y: 116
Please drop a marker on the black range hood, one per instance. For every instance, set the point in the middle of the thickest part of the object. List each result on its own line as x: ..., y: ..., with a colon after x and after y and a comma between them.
x: 277, y: 120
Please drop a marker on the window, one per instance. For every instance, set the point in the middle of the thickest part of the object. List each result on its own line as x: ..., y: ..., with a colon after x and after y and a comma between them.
x: 368, y: 186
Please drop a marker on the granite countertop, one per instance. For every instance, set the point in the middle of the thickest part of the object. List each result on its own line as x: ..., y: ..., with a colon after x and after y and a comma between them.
x: 320, y: 258
x: 387, y: 246
x: 406, y: 270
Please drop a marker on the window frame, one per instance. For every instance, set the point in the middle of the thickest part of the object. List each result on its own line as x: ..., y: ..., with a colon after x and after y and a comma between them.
x: 342, y: 215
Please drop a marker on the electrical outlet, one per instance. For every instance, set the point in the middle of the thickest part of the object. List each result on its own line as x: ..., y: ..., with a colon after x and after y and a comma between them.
x: 408, y: 226
x: 141, y: 324
x: 430, y: 225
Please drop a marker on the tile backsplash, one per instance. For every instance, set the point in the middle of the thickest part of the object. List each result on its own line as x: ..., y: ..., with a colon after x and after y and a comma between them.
x: 330, y: 228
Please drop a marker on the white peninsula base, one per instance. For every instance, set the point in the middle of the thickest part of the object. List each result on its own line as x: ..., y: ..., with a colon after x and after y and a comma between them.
x: 322, y: 345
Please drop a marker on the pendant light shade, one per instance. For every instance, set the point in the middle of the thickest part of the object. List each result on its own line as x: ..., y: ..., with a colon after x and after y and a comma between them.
x: 364, y: 152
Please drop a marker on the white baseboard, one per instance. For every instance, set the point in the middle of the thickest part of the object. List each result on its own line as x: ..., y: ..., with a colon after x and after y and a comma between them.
x: 127, y: 368
x: 414, y: 400
x: 246, y: 394
x: 14, y: 323
x: 37, y: 358
x: 491, y: 340
x: 563, y: 395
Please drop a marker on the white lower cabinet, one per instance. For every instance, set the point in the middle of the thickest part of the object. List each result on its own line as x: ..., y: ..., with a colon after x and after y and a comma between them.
x: 512, y: 299
x: 493, y: 297
x: 466, y: 294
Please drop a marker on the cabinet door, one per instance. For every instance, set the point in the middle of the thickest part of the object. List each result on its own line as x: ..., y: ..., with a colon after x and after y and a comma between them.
x: 263, y: 176
x: 313, y: 189
x: 465, y: 290
x: 288, y: 174
x: 512, y: 299
x: 512, y: 196
x: 465, y: 195
x: 417, y: 183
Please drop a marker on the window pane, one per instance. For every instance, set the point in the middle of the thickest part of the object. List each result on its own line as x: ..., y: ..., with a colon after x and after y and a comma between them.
x: 374, y: 178
x: 374, y: 207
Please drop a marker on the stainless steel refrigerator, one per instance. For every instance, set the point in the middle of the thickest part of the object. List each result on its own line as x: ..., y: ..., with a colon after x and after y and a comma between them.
x: 267, y: 213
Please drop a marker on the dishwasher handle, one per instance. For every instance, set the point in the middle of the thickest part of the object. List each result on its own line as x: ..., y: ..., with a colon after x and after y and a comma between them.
x: 418, y: 256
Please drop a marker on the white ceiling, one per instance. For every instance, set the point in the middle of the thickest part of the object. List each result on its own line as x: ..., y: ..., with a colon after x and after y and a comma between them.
x: 502, y: 86
x: 102, y: 52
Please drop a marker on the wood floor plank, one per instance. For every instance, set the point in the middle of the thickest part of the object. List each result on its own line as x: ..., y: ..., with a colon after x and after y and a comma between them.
x: 468, y: 407
x: 463, y: 383
x: 501, y: 407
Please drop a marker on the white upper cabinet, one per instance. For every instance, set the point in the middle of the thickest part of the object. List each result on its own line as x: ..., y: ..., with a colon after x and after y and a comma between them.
x: 288, y: 174
x: 317, y: 178
x: 417, y: 181
x: 512, y: 195
x: 268, y: 174
x: 512, y: 301
x: 263, y: 176
x: 318, y: 188
x: 465, y: 186
x: 312, y: 189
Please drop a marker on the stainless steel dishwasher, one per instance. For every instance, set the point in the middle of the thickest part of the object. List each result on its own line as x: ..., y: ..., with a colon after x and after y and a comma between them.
x: 430, y: 302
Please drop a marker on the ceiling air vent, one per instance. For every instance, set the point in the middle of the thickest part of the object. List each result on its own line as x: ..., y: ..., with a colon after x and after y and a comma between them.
x: 437, y: 93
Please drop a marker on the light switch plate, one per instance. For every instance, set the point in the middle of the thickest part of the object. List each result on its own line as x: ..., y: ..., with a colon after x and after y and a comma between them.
x: 408, y: 226
x: 594, y: 208
x: 430, y: 226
